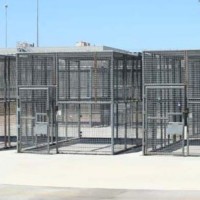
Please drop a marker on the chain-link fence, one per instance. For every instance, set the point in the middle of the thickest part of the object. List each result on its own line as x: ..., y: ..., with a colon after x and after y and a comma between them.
x: 8, y: 129
x: 171, y: 102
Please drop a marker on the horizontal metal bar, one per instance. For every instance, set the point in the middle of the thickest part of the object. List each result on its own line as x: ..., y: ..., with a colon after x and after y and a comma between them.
x: 27, y: 117
x: 84, y: 102
x: 165, y: 87
x: 33, y: 88
x: 43, y: 114
x: 193, y: 102
x: 36, y: 86
x: 163, y: 118
x: 174, y: 113
x: 164, y: 84
x: 8, y: 101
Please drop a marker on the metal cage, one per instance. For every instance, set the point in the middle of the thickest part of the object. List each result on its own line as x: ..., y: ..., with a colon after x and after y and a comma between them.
x: 79, y: 102
x: 7, y: 102
x: 171, y: 102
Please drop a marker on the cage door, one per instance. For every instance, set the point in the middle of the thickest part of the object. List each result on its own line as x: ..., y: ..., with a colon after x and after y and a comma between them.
x: 34, y: 119
x: 164, y: 119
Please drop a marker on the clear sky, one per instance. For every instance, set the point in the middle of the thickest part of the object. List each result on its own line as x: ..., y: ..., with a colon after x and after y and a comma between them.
x: 128, y: 24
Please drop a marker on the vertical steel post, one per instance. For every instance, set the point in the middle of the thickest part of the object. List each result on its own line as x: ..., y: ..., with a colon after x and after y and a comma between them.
x: 112, y: 103
x: 5, y: 102
x: 136, y: 69
x: 186, y: 106
x: 48, y: 120
x: 143, y: 107
x: 161, y: 103
x: 137, y: 120
x: 125, y: 99
x: 18, y: 109
x: 56, y: 91
x: 90, y: 94
x: 125, y: 127
x: 79, y: 99
x: 9, y: 101
x: 117, y: 97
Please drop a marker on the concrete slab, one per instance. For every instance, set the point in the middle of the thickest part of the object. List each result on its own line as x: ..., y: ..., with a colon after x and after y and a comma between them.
x: 126, y: 171
x: 11, y: 192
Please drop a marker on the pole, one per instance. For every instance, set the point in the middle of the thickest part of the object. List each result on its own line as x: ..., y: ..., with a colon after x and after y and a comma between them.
x: 37, y: 23
x: 6, y: 25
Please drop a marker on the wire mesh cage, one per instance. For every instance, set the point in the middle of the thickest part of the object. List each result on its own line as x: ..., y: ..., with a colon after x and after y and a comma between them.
x: 7, y: 102
x: 88, y: 102
x: 171, y: 102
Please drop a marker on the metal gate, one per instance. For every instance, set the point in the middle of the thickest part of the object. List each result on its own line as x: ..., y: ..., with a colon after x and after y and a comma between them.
x: 36, y: 129
x: 194, y: 127
x: 165, y: 120
x: 84, y: 128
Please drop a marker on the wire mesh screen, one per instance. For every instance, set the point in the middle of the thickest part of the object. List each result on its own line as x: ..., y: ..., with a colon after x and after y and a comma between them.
x: 37, y: 121
x: 33, y: 119
x: 91, y: 89
x: 193, y: 102
x: 8, y: 129
x: 37, y: 69
x: 165, y: 120
x: 167, y: 67
x: 84, y: 79
x: 84, y: 128
x: 194, y: 127
x: 128, y: 102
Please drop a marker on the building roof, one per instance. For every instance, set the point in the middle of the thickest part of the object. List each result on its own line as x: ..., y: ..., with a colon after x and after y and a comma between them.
x: 12, y: 51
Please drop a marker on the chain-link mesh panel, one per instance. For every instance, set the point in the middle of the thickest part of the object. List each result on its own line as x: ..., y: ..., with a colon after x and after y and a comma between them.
x: 164, y: 67
x: 127, y: 78
x: 128, y: 107
x: 193, y: 102
x: 36, y: 69
x: 34, y: 120
x: 2, y: 126
x: 128, y: 126
x: 193, y: 75
x: 84, y: 128
x: 84, y: 79
x: 7, y: 102
x: 194, y: 127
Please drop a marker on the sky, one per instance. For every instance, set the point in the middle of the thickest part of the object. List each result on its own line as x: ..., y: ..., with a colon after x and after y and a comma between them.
x: 133, y: 25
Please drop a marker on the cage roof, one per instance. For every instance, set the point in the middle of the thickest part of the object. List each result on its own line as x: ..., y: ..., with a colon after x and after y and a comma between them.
x: 12, y: 51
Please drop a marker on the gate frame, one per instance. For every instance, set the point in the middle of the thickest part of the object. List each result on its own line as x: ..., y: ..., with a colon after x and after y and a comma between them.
x: 184, y: 114
x: 19, y: 150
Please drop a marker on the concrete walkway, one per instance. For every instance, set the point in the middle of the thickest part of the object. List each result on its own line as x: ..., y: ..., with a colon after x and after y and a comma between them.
x: 10, y: 192
x: 127, y: 171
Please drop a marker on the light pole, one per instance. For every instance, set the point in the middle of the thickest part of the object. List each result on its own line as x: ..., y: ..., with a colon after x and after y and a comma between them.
x: 37, y: 23
x: 6, y: 25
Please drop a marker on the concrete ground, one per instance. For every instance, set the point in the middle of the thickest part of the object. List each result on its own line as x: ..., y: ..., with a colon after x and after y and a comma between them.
x: 128, y: 174
x: 8, y: 192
